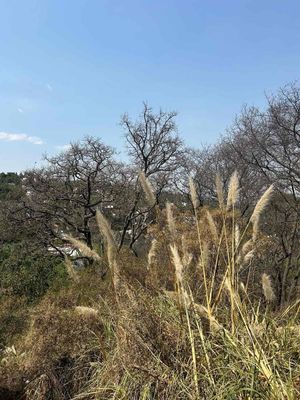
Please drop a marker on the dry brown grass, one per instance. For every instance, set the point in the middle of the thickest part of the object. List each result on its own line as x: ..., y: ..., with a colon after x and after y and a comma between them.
x: 187, y: 323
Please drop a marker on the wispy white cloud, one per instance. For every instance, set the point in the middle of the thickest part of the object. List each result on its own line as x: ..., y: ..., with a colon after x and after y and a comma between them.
x: 20, y: 110
x: 49, y: 87
x: 20, y: 137
x: 63, y: 147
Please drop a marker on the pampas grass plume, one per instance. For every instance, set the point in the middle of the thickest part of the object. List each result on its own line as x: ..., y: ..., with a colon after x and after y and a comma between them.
x: 70, y: 269
x: 237, y: 235
x: 261, y: 204
x: 212, y: 226
x: 233, y: 190
x: 152, y: 252
x: 248, y: 256
x: 177, y: 263
x: 148, y: 189
x: 193, y: 193
x: 220, y: 193
x: 83, y: 248
x: 170, y: 220
x: 106, y: 231
x: 187, y: 257
x: 267, y: 288
x: 86, y: 311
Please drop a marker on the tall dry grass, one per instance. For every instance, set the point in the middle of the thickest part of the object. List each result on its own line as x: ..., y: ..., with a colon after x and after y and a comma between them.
x: 229, y: 345
x: 190, y: 326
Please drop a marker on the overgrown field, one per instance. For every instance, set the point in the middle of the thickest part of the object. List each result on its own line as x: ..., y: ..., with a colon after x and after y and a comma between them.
x: 195, y: 318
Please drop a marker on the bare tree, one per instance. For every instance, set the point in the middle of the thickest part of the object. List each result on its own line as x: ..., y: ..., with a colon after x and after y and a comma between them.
x: 63, y: 196
x: 154, y: 147
x: 153, y: 142
x: 264, y: 147
x: 267, y: 143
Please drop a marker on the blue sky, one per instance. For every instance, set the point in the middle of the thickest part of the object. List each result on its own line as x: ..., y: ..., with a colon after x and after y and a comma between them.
x: 71, y: 68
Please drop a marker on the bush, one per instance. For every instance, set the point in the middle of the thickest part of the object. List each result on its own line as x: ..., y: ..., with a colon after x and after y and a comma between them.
x: 13, y: 318
x: 28, y: 271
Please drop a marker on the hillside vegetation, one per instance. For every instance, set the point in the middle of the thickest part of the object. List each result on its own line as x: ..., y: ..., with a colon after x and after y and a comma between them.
x: 176, y: 276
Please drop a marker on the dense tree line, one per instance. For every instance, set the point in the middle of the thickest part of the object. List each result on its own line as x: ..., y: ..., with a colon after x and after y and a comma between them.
x: 263, y: 146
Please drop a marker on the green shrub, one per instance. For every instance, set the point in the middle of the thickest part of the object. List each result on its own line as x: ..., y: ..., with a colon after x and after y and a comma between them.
x: 29, y: 271
x: 13, y: 318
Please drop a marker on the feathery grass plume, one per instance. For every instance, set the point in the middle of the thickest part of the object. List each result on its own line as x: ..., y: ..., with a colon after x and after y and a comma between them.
x: 233, y: 190
x: 10, y: 350
x: 248, y: 256
x: 86, y: 311
x: 205, y: 256
x: 177, y: 264
x: 83, y: 248
x: 220, y: 193
x: 106, y: 231
x: 212, y: 226
x: 183, y: 298
x: 152, y: 253
x: 237, y: 235
x: 152, y: 275
x: 255, y: 230
x: 70, y: 269
x: 261, y: 204
x: 242, y: 287
x: 187, y: 257
x: 170, y: 220
x: 148, y: 189
x: 267, y: 288
x: 247, y: 246
x: 229, y: 284
x: 193, y: 193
